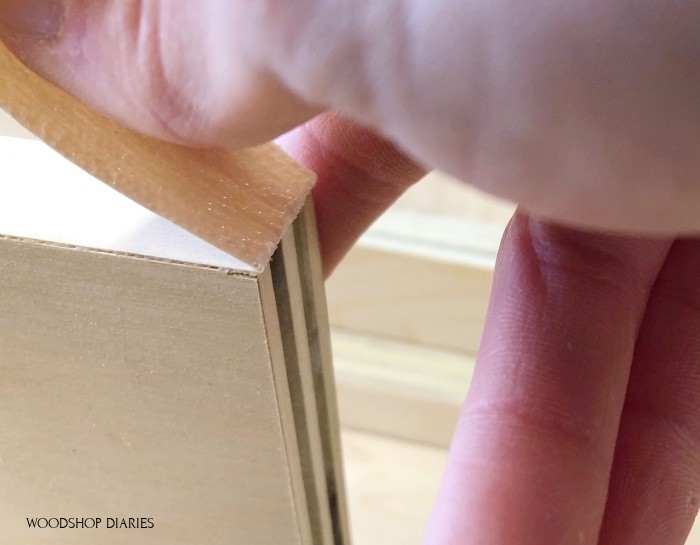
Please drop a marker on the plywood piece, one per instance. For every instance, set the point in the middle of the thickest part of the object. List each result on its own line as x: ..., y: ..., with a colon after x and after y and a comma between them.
x: 137, y: 388
x: 288, y: 295
x: 321, y: 357
x: 241, y: 202
x: 78, y: 210
x: 297, y: 276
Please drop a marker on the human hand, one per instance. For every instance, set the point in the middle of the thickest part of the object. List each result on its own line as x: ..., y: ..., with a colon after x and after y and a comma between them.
x: 581, y: 424
x: 583, y: 114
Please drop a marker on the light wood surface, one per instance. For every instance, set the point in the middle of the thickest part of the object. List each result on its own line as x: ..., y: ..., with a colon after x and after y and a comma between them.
x: 400, y: 390
x: 441, y: 195
x: 139, y: 388
x: 422, y: 274
x: 241, y: 202
x: 178, y: 392
x: 391, y: 486
x: 420, y: 277
x: 322, y: 368
x: 268, y: 352
x: 420, y: 300
x: 45, y: 197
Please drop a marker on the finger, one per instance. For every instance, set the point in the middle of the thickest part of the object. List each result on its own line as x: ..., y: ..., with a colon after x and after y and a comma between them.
x: 533, y: 449
x: 584, y: 114
x: 176, y: 71
x: 359, y: 176
x: 655, y: 485
x: 189, y: 72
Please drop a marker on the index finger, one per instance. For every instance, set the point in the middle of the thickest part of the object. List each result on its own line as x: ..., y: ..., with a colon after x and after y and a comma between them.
x: 531, y: 458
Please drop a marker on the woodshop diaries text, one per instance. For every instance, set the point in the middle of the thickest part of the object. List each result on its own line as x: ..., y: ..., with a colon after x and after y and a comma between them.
x: 90, y: 523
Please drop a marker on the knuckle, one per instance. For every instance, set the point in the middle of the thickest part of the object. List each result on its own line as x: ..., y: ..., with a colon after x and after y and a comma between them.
x: 603, y: 263
x: 554, y: 426
x: 163, y: 95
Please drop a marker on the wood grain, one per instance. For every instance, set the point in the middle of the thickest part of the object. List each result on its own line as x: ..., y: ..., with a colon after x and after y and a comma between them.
x: 240, y: 202
x: 138, y: 388
x: 76, y: 209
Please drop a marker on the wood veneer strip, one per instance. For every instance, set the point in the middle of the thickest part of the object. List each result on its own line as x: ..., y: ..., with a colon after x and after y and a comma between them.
x: 239, y: 201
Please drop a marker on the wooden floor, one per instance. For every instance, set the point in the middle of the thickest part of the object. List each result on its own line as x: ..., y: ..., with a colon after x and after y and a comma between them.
x: 392, y: 485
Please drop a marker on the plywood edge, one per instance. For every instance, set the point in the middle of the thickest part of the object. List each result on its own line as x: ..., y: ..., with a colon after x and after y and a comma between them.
x: 306, y: 390
x: 126, y: 255
x: 284, y: 405
x: 318, y: 332
x: 296, y: 343
x: 241, y: 202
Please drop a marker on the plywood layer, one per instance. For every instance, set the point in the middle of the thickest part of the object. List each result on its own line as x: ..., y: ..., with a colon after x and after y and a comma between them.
x: 134, y: 388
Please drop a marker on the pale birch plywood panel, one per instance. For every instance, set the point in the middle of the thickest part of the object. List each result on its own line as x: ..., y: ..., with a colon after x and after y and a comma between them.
x: 138, y: 388
x: 79, y: 216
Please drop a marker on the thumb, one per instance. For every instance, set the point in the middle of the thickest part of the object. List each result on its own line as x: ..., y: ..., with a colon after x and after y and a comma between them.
x: 189, y: 72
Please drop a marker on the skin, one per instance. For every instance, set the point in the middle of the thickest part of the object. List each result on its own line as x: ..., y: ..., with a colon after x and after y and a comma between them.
x: 581, y: 422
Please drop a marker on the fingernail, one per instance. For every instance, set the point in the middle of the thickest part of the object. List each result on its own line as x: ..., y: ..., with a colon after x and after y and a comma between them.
x: 41, y: 19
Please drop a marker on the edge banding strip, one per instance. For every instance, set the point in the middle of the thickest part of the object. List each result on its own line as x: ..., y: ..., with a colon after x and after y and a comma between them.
x: 239, y: 201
